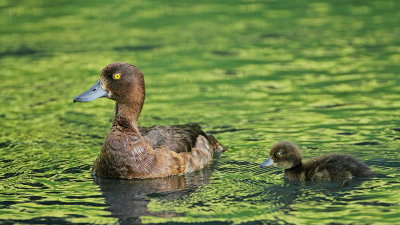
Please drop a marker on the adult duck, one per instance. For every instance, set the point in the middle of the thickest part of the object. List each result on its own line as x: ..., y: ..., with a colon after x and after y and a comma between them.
x: 130, y: 152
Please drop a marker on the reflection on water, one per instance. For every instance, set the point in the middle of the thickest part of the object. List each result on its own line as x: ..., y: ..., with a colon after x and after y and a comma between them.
x: 323, y: 74
x: 127, y: 200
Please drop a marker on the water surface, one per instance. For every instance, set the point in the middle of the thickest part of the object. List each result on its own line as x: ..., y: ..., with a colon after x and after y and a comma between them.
x: 322, y: 74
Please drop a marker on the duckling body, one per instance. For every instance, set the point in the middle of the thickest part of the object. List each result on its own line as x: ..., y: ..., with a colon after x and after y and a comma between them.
x: 287, y: 155
x: 149, y: 152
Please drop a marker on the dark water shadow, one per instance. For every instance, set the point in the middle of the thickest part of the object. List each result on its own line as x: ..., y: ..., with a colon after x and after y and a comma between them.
x: 21, y: 51
x: 127, y: 200
x: 135, y: 47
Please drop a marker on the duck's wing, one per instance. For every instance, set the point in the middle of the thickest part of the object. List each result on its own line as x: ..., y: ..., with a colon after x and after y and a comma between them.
x: 178, y: 138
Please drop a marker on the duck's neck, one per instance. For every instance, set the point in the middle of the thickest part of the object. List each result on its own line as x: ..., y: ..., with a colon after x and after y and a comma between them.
x: 295, y: 172
x: 126, y: 116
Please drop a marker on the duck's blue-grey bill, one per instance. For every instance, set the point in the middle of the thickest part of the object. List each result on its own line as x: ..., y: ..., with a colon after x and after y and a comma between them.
x: 93, y: 93
x: 267, y: 162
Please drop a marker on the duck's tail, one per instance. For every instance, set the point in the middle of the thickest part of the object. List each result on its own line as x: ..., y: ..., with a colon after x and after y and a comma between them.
x: 215, y: 145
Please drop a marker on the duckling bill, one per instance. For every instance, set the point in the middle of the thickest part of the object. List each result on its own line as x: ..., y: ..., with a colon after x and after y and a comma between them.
x: 287, y: 155
x: 132, y: 152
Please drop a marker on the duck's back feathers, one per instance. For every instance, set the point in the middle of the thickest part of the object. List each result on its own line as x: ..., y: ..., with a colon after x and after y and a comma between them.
x: 178, y: 138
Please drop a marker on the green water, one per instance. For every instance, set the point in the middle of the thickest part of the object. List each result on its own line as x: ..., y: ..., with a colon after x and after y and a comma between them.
x: 324, y: 74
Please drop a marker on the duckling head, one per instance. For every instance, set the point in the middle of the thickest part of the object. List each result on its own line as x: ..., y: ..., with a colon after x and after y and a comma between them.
x: 121, y: 82
x: 284, y: 154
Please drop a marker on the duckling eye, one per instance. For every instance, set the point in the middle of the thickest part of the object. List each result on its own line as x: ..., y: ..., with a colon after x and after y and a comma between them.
x: 279, y: 154
x: 116, y: 76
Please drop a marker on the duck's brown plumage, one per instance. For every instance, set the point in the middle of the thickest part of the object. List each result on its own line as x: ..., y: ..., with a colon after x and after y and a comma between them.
x: 130, y: 152
x: 178, y: 138
x: 287, y: 155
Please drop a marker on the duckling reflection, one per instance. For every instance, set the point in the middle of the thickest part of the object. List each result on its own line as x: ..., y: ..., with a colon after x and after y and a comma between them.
x: 284, y: 197
x: 128, y: 199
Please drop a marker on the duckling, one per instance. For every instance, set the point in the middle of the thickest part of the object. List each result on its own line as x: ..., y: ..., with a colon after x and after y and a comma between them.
x: 287, y: 155
x: 130, y: 152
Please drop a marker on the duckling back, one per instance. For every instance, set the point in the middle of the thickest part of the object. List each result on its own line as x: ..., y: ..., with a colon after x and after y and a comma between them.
x: 335, y: 167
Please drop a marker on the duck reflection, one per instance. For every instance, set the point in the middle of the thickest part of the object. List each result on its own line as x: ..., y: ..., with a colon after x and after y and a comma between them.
x: 128, y: 199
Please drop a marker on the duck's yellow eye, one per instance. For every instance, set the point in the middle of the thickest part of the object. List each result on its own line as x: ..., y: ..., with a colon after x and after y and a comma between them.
x: 117, y: 76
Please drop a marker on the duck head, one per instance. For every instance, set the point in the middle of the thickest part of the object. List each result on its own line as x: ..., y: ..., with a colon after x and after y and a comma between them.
x: 121, y: 82
x: 284, y: 154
